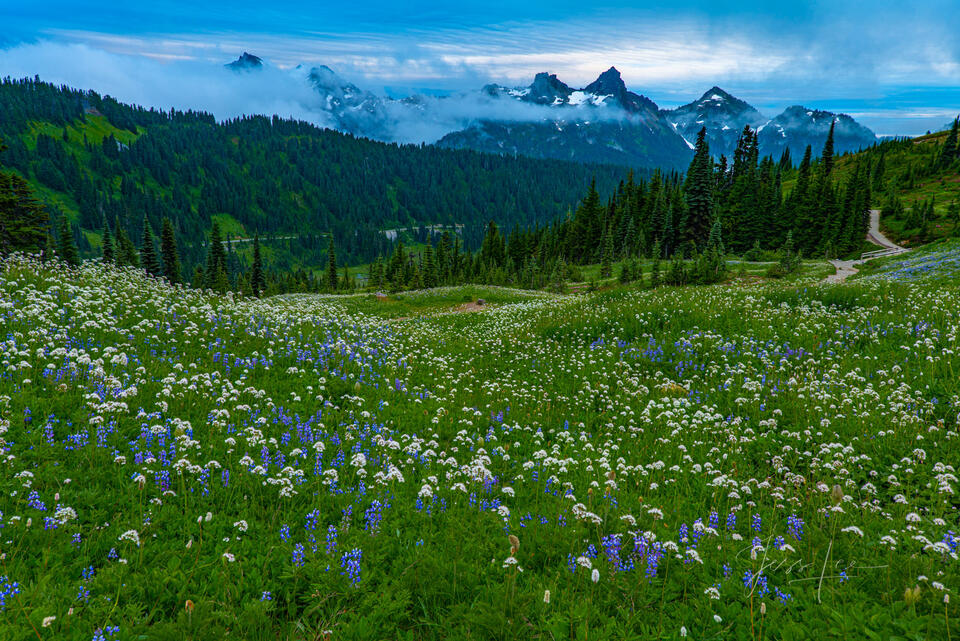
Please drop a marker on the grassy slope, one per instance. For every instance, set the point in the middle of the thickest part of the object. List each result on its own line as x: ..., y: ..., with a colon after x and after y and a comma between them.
x: 705, y: 402
x: 937, y: 263
x: 944, y: 186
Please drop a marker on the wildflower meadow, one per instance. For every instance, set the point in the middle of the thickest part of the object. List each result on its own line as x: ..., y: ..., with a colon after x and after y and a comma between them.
x: 769, y: 461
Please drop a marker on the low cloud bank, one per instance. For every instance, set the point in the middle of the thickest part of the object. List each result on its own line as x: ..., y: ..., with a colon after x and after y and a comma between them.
x: 269, y: 90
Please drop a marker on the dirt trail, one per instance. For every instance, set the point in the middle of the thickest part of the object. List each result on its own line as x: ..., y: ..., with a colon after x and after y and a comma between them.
x: 847, y: 268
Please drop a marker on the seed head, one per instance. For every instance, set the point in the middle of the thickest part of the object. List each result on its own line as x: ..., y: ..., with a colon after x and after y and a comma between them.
x: 911, y: 595
x: 836, y: 494
x: 514, y: 544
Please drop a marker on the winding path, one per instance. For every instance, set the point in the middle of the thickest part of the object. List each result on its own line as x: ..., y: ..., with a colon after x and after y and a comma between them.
x: 847, y: 268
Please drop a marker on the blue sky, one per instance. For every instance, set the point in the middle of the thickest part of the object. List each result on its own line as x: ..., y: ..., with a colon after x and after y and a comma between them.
x: 893, y: 65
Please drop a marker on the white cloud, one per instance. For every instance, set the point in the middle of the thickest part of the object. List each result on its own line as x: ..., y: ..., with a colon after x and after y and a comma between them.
x: 172, y: 81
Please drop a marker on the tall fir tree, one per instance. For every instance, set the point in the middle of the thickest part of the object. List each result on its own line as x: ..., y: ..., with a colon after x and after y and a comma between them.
x: 826, y: 159
x: 215, y: 272
x: 168, y: 252
x: 108, y: 255
x: 332, y: 278
x: 23, y: 219
x: 148, y: 251
x: 606, y: 255
x: 258, y: 282
x: 951, y: 146
x: 698, y: 191
x: 125, y: 249
x: 66, y: 248
x: 429, y: 266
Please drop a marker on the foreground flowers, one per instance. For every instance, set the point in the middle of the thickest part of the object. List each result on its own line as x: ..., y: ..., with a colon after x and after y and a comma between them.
x: 298, y: 460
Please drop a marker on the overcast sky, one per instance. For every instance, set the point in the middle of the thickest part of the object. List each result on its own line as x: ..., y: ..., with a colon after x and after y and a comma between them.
x: 895, y: 66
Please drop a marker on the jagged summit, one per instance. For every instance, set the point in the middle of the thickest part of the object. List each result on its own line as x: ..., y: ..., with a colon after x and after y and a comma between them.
x: 245, y: 62
x: 601, y: 122
x: 546, y: 88
x: 719, y: 112
x: 609, y: 83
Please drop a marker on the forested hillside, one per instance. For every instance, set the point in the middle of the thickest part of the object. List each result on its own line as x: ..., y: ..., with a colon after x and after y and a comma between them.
x: 102, y: 163
x: 916, y: 184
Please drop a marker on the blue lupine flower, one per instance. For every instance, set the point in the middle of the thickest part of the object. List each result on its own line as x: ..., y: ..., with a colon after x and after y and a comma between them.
x: 350, y: 562
x: 8, y: 589
x: 298, y: 555
x: 795, y: 526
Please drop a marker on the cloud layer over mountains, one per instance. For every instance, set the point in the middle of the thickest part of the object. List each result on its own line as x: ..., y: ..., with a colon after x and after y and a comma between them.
x: 601, y: 122
x: 295, y: 93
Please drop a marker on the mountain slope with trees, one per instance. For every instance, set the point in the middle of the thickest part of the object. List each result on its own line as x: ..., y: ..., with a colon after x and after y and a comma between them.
x: 102, y: 164
x: 915, y: 184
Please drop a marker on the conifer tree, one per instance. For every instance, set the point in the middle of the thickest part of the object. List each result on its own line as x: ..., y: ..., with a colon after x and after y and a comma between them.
x: 23, y: 219
x: 953, y: 215
x: 376, y: 279
x: 108, y: 254
x: 258, y: 282
x: 785, y: 161
x: 332, y: 277
x: 879, y: 174
x: 698, y: 190
x: 168, y: 252
x: 606, y: 262
x: 655, y: 267
x: 715, y: 242
x: 197, y: 281
x: 148, y: 251
x: 215, y: 272
x: 444, y: 249
x: 429, y: 266
x: 66, y: 248
x: 126, y: 252
x: 950, y: 150
x: 826, y: 159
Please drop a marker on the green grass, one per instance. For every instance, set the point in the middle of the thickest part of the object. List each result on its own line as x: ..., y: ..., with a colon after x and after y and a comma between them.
x: 229, y: 226
x: 183, y: 466
x: 937, y: 263
x: 421, y: 303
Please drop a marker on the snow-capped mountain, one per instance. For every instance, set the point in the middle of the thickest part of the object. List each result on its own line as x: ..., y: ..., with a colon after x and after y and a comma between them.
x: 246, y: 62
x: 725, y: 116
x: 601, y: 122
x: 722, y: 114
x: 354, y: 110
x: 798, y: 127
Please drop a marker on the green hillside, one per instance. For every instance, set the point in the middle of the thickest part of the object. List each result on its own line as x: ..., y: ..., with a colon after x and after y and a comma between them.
x: 100, y: 162
x: 922, y: 177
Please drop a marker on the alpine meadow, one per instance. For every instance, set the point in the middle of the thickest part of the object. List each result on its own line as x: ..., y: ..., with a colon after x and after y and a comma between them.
x: 412, y: 347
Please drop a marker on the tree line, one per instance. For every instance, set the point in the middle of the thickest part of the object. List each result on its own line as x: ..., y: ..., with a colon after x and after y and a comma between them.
x: 117, y: 165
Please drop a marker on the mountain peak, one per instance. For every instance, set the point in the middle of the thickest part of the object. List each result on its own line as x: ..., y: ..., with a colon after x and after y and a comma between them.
x: 607, y: 83
x: 324, y: 77
x: 547, y: 88
x: 716, y: 94
x: 246, y: 61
